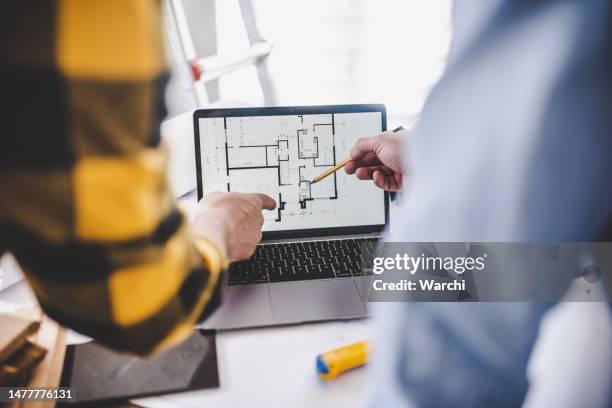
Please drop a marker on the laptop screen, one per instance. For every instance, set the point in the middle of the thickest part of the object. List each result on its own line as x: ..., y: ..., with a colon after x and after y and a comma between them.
x: 278, y: 151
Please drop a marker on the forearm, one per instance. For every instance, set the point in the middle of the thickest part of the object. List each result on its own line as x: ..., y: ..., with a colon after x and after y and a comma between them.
x: 134, y: 280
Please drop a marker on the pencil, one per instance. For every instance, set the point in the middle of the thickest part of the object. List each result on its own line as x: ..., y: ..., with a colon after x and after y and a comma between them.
x: 345, y: 162
x: 332, y: 170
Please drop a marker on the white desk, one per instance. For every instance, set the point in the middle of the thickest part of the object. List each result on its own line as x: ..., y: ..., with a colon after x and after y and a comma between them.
x: 275, y: 367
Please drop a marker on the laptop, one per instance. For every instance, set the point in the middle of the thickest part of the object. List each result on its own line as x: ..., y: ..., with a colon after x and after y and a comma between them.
x: 308, y: 266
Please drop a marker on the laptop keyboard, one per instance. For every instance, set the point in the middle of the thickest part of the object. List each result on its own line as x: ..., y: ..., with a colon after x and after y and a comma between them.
x: 294, y: 261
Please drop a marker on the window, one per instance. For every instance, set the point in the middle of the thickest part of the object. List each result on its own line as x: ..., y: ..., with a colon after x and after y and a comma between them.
x: 342, y: 51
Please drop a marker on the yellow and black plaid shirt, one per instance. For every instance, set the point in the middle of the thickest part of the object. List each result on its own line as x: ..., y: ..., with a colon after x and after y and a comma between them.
x: 84, y: 202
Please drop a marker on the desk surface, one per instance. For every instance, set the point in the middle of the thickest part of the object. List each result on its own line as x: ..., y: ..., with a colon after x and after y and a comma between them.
x: 275, y: 367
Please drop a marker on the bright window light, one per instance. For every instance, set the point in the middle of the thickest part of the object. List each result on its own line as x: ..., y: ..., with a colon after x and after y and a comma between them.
x: 342, y: 51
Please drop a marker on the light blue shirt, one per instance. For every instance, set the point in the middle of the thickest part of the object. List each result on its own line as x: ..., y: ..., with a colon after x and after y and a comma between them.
x: 513, y: 144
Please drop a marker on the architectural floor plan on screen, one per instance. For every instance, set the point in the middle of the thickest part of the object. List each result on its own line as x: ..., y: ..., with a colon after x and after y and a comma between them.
x: 279, y: 156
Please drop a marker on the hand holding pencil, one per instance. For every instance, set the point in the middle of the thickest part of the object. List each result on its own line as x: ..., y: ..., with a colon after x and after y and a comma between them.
x: 374, y: 158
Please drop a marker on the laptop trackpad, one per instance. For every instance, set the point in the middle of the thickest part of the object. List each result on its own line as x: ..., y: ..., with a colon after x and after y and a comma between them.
x: 244, y: 306
x: 315, y: 300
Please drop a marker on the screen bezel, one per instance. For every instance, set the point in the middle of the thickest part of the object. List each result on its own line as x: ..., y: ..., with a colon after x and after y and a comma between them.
x: 293, y: 110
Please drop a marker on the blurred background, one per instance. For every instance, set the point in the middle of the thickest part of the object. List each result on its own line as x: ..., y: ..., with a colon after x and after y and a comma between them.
x: 322, y: 52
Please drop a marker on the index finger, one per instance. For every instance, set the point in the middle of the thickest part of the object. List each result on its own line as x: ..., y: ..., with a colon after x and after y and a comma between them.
x: 265, y: 201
